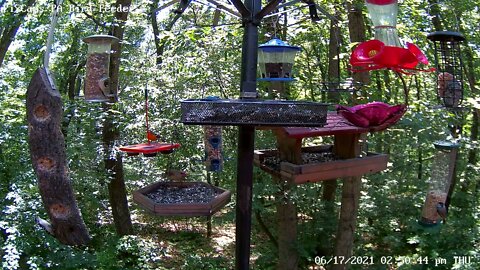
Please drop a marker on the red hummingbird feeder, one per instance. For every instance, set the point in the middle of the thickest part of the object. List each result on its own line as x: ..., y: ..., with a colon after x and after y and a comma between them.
x: 385, y: 51
x: 151, y: 147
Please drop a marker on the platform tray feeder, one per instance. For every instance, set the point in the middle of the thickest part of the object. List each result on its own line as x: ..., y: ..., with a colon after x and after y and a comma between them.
x: 187, y: 199
x: 253, y: 112
x: 320, y: 164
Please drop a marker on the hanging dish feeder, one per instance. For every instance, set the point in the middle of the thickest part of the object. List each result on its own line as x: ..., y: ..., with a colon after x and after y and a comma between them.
x: 275, y: 60
x: 97, y: 71
x: 215, y: 111
x: 151, y: 148
x: 213, y: 148
x: 448, y: 62
x: 443, y: 165
x: 375, y: 116
x: 182, y: 198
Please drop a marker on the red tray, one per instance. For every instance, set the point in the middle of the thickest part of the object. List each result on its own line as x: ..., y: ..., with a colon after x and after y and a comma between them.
x: 149, y: 148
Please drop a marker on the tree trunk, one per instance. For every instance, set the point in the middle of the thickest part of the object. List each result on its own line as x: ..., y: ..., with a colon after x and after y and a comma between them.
x: 47, y: 150
x: 9, y: 32
x: 356, y: 27
x: 114, y: 169
x: 347, y: 146
x: 113, y: 159
x: 435, y: 12
x: 290, y: 150
x: 472, y: 158
x: 330, y: 186
x: 287, y: 229
x: 156, y: 32
x: 160, y: 45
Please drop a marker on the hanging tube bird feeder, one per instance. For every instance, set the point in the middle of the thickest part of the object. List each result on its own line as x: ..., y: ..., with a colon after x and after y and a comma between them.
x: 275, y: 60
x: 213, y: 148
x: 434, y: 208
x: 97, y: 74
x: 449, y: 67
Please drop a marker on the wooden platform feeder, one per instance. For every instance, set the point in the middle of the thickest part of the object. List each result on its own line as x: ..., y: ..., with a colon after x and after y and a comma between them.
x: 186, y: 205
x: 329, y: 168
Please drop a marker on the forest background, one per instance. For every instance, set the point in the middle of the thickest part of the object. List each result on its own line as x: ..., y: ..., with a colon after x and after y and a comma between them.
x: 180, y: 57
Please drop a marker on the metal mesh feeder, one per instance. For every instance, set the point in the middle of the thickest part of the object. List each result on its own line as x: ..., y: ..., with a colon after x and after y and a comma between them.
x: 449, y: 67
x: 253, y: 112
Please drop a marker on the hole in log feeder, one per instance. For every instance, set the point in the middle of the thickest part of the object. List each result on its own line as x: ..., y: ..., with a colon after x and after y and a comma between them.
x: 41, y: 113
x: 45, y: 164
x: 59, y: 211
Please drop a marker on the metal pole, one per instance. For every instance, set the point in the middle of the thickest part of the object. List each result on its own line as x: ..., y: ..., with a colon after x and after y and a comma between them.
x: 246, y: 140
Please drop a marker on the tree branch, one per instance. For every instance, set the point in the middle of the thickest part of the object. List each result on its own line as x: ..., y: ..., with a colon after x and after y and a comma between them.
x: 91, y: 17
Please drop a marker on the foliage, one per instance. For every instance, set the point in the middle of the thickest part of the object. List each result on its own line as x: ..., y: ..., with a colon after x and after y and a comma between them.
x: 199, y: 61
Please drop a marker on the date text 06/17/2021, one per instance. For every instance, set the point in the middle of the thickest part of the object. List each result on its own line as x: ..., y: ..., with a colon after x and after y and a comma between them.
x: 389, y: 260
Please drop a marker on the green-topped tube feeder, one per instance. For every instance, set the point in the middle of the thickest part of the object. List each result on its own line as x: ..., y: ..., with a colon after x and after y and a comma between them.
x: 97, y: 74
x: 443, y: 170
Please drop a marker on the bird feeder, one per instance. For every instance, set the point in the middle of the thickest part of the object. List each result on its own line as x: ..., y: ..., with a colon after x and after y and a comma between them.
x: 443, y: 166
x: 449, y: 67
x: 97, y: 79
x: 213, y: 148
x: 383, y: 14
x: 276, y: 59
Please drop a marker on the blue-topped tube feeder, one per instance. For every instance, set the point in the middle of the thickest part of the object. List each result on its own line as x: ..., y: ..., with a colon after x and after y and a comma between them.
x: 275, y: 60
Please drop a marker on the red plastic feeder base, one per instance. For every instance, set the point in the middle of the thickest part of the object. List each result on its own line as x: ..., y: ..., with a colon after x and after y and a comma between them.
x: 149, y: 149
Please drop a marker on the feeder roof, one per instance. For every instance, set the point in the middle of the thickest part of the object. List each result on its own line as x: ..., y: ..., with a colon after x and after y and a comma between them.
x: 277, y: 45
x: 101, y: 39
x: 446, y: 36
x: 446, y: 145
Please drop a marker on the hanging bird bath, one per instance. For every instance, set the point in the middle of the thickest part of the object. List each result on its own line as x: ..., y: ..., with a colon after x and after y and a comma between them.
x: 182, y: 198
x: 149, y: 149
